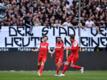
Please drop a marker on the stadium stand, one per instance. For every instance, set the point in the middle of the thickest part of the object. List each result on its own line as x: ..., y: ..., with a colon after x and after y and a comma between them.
x: 52, y: 12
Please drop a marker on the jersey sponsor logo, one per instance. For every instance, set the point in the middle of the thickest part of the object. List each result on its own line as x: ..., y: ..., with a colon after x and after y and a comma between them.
x: 43, y: 46
x: 58, y: 46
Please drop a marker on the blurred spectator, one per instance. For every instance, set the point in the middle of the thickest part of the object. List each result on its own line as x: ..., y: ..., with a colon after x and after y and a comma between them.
x: 67, y: 22
x: 89, y: 23
x: 36, y: 21
x: 57, y: 23
x: 54, y: 12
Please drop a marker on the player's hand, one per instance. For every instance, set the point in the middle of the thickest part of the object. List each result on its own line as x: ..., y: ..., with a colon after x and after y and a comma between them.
x: 51, y: 52
x: 51, y: 55
x: 33, y: 50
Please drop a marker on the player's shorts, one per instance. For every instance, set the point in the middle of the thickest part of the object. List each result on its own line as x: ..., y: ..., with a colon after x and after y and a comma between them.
x: 72, y: 59
x: 58, y: 59
x: 42, y: 59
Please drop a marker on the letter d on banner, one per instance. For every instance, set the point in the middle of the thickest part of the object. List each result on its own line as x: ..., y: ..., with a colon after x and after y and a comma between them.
x: 12, y: 31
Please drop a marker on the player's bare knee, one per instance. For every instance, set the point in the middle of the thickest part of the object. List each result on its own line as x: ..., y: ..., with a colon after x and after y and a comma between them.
x: 42, y: 63
x: 38, y: 64
x: 59, y: 64
x: 66, y: 63
x: 72, y: 65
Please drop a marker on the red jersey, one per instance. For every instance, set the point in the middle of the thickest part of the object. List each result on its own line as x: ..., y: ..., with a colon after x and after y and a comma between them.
x: 59, y: 49
x: 43, y: 48
x: 74, y: 48
x: 74, y: 53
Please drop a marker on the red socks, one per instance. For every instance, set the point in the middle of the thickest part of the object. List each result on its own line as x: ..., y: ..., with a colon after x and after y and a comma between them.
x: 76, y: 67
x: 57, y: 70
x: 41, y: 68
x: 38, y: 67
x: 65, y: 68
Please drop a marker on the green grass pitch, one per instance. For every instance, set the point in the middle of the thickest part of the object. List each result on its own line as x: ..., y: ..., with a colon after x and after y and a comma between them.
x: 49, y: 75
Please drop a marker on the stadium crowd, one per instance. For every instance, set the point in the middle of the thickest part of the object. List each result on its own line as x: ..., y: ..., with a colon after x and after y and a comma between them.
x: 54, y: 13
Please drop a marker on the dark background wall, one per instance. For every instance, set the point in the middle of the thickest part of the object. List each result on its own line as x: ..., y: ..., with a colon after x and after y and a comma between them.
x: 15, y: 60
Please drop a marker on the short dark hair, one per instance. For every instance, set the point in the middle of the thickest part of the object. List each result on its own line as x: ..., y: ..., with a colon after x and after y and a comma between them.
x: 45, y: 36
x: 60, y: 38
x: 72, y: 36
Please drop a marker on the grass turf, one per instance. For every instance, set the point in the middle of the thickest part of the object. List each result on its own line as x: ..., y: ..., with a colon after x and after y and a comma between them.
x: 49, y: 75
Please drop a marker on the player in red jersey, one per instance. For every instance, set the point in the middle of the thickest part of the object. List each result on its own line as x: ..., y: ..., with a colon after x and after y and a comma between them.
x: 73, y: 57
x: 59, y: 50
x: 42, y: 56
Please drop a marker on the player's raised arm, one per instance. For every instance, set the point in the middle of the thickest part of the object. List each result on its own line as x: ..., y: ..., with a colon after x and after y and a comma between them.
x: 36, y: 49
x: 67, y: 50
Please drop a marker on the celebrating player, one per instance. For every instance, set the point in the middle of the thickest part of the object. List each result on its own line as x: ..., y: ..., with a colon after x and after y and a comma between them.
x: 59, y: 50
x: 73, y: 57
x: 42, y: 56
